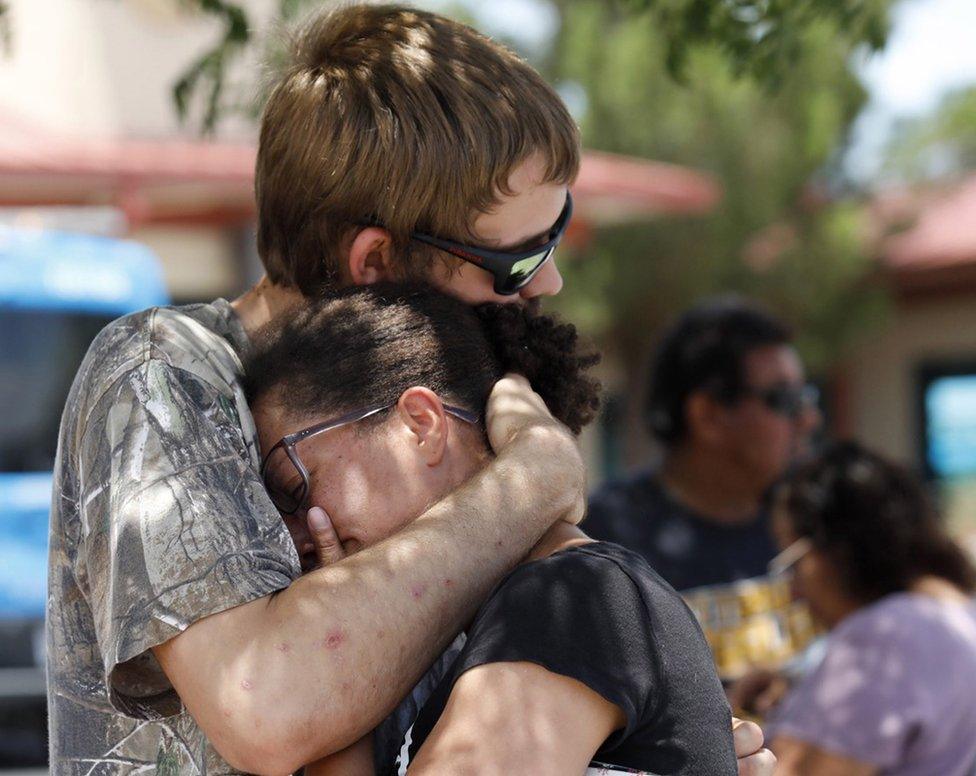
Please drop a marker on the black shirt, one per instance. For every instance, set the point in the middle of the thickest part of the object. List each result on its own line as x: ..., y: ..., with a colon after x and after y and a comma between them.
x: 748, y: 617
x: 599, y: 614
x: 685, y: 548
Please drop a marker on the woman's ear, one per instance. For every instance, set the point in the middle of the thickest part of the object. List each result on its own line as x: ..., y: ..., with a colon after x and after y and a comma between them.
x: 422, y: 412
x: 370, y: 257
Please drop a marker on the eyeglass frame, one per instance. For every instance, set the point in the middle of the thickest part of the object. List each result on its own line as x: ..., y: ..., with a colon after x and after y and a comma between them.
x: 497, y: 262
x: 289, y: 441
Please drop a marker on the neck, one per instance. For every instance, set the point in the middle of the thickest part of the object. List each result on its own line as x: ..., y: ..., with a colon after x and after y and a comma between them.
x: 266, y: 300
x: 939, y: 588
x: 711, y: 486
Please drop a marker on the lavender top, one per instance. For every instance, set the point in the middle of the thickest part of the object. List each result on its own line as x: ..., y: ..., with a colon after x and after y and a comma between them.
x: 896, y: 689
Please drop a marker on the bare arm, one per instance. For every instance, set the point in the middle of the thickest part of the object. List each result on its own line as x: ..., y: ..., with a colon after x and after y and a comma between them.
x: 520, y: 718
x: 289, y: 678
x: 799, y: 758
x: 504, y: 718
x: 355, y: 760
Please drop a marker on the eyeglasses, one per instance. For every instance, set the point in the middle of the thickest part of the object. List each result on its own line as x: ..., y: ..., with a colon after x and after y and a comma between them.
x: 785, y: 562
x: 511, y: 270
x: 289, y: 501
x: 790, y: 401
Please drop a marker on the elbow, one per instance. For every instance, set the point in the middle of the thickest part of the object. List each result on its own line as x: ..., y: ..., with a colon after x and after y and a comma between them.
x: 262, y: 743
x: 259, y: 754
x: 257, y: 763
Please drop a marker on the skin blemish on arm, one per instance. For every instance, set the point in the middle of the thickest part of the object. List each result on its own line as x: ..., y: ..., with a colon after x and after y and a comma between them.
x: 417, y: 591
x: 283, y: 647
x: 333, y: 640
x: 448, y: 582
x: 246, y: 684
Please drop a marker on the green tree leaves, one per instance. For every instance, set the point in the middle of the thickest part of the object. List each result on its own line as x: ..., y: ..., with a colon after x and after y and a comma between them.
x: 777, y: 234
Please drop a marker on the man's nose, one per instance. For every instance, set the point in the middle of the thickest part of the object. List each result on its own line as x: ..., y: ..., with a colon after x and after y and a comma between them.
x: 547, y: 282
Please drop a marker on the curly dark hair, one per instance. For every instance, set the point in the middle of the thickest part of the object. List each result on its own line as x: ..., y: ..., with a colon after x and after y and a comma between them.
x: 874, y: 520
x: 705, y: 350
x: 366, y: 345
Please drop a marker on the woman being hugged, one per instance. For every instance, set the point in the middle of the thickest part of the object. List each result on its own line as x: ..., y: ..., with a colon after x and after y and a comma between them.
x: 370, y: 406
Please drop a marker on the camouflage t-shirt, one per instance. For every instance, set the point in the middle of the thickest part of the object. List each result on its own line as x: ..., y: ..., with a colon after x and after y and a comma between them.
x: 159, y: 518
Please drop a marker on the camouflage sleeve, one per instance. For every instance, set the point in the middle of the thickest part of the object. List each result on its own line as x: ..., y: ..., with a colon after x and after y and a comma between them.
x: 175, y: 524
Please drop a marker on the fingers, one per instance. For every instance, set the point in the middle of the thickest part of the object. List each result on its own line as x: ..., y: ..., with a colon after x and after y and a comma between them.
x: 747, y: 737
x: 328, y: 548
x: 762, y: 763
x: 753, y: 760
x: 512, y: 406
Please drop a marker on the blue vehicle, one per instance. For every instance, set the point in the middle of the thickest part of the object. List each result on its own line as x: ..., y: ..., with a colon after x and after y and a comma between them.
x: 57, y: 291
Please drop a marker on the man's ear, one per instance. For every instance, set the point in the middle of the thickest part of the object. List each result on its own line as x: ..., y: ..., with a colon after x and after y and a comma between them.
x: 422, y: 412
x: 703, y: 416
x: 370, y: 257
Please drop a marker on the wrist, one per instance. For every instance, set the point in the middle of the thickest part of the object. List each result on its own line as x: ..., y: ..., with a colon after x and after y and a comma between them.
x: 543, y: 468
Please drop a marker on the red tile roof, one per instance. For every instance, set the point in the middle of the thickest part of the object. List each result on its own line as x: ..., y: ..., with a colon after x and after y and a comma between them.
x: 610, y: 187
x: 943, y: 233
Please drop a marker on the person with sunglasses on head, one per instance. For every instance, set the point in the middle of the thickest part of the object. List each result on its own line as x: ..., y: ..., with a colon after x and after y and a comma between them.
x: 582, y: 657
x: 895, y: 691
x: 729, y: 404
x: 176, y: 604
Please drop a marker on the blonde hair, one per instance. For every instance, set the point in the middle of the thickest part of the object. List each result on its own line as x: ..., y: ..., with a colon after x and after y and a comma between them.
x: 397, y: 116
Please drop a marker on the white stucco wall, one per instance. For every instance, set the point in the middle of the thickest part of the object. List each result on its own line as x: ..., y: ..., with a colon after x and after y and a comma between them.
x: 883, y: 371
x: 104, y: 67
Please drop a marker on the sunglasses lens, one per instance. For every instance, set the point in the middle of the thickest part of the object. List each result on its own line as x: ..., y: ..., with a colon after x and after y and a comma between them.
x: 784, y: 401
x: 791, y: 401
x: 522, y: 273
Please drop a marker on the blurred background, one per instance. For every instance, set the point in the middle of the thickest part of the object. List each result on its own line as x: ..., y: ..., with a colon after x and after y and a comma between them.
x: 820, y: 158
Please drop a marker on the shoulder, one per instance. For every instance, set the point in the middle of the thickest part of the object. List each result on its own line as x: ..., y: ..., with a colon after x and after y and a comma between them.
x: 599, y: 593
x: 148, y: 358
x: 577, y: 567
x: 578, y: 613
x: 189, y: 339
x: 195, y: 339
x: 900, y: 667
x: 936, y: 639
x: 907, y: 621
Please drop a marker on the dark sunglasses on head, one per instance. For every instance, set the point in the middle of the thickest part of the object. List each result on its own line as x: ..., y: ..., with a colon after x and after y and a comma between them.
x: 511, y: 270
x: 790, y: 401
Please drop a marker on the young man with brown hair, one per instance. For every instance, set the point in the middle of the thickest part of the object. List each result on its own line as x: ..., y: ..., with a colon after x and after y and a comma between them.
x: 180, y: 636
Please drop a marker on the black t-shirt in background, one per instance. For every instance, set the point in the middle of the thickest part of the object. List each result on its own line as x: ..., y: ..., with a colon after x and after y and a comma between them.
x: 599, y: 614
x: 688, y: 550
x: 748, y: 616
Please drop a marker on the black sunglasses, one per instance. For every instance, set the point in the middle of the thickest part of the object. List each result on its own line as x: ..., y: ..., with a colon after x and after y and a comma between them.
x: 790, y: 401
x: 511, y: 270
